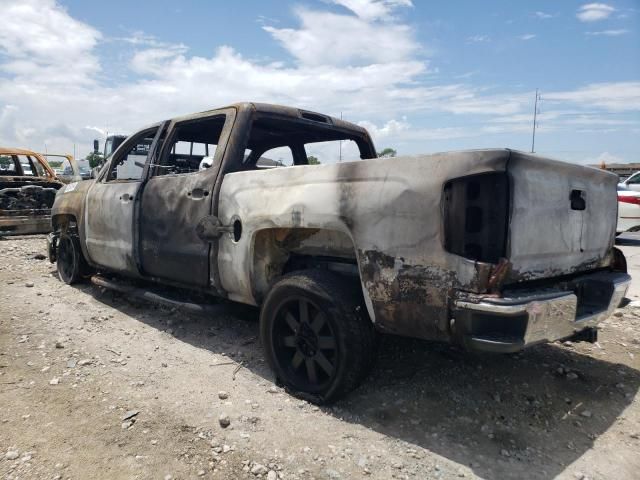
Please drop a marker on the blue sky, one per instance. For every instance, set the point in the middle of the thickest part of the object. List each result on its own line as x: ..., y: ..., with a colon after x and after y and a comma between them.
x: 422, y: 76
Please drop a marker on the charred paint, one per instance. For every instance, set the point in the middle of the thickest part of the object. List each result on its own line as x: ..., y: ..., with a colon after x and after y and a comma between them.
x: 26, y: 200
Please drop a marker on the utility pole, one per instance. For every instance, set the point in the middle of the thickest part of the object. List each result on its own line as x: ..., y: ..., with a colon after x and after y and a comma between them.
x: 340, y: 146
x: 535, y: 116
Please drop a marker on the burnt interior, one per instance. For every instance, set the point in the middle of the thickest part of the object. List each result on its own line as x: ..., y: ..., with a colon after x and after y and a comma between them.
x: 476, y: 210
x: 270, y: 131
x: 27, y: 195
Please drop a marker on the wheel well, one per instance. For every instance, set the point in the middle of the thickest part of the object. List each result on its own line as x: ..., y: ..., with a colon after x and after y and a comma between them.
x: 64, y: 223
x: 277, y: 251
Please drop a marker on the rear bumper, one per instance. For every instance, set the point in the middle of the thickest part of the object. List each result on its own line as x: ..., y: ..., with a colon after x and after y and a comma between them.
x: 524, y: 318
x: 24, y: 225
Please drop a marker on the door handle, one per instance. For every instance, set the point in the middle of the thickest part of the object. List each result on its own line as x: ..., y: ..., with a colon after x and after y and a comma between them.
x: 197, y: 194
x: 126, y: 198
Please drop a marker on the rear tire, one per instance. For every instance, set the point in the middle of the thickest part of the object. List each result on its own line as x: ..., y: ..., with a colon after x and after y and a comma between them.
x: 70, y: 262
x: 317, y: 336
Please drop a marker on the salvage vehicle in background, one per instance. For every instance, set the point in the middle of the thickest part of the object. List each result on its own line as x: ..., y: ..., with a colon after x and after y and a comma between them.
x: 28, y: 186
x: 67, y: 168
x: 628, y: 210
x: 631, y: 183
x: 494, y: 250
x: 111, y: 143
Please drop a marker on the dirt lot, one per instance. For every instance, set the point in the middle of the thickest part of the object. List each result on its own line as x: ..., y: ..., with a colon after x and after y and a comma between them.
x: 76, y: 363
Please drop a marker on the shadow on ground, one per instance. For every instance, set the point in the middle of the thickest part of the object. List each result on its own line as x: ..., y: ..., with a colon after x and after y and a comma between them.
x: 491, y: 413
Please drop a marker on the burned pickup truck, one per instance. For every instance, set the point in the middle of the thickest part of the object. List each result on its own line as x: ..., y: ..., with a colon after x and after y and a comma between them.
x: 493, y: 250
x: 28, y: 187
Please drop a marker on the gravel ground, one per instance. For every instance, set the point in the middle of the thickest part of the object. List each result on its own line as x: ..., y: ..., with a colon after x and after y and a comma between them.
x: 96, y: 385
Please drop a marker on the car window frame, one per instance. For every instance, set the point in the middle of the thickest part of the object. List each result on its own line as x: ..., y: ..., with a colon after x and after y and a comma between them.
x: 173, y: 130
x: 125, y: 147
x: 635, y: 175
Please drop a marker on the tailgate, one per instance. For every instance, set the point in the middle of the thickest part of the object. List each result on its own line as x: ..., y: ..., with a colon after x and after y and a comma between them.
x: 563, y: 217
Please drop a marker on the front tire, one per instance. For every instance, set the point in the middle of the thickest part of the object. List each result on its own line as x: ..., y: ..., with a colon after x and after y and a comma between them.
x: 317, y: 336
x: 69, y: 259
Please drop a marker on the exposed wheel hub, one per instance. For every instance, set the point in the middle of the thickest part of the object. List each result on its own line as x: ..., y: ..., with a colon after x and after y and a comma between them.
x: 307, y: 340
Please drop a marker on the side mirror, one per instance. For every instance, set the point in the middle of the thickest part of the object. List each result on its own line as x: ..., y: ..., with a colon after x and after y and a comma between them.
x: 205, y: 163
x: 96, y: 146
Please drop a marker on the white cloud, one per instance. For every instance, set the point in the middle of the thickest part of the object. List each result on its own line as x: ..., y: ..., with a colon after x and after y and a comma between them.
x: 390, y: 129
x: 614, y: 96
x: 543, y: 15
x: 527, y: 36
x: 607, y: 158
x: 373, y: 9
x: 39, y: 37
x: 478, y: 38
x: 608, y: 33
x: 593, y: 12
x: 331, y: 39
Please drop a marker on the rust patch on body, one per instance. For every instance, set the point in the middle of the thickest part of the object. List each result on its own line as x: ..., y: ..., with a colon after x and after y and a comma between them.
x: 408, y: 300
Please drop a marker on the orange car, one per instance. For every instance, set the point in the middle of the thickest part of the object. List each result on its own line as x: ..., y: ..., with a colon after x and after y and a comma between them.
x: 28, y: 186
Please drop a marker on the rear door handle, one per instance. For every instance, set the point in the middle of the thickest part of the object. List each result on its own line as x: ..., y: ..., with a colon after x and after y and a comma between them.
x: 126, y: 198
x: 197, y: 194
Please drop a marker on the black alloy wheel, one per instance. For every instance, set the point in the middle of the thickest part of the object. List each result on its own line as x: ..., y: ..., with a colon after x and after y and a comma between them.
x: 70, y: 262
x: 316, y: 334
x: 305, y: 344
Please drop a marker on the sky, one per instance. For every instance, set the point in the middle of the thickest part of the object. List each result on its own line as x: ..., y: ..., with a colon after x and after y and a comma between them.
x: 422, y: 76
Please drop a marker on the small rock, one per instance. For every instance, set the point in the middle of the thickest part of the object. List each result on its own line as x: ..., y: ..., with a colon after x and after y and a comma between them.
x: 168, y: 476
x: 258, y: 469
x: 59, y: 344
x: 273, y: 389
x: 572, y: 376
x: 54, y: 381
x: 86, y: 361
x: 201, y: 473
x: 226, y: 449
x: 28, y: 284
x: 12, y: 455
x: 586, y: 413
x: 40, y: 256
x: 222, y: 395
x: 332, y: 474
x: 126, y: 425
x: 72, y: 363
x: 224, y: 420
x: 505, y: 453
x: 272, y: 475
x: 618, y: 314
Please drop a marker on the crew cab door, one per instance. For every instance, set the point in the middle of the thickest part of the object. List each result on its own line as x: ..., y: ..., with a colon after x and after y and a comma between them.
x: 178, y: 195
x: 111, y: 200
